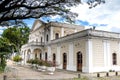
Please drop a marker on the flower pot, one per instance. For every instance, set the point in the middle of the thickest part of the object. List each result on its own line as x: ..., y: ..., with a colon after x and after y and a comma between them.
x: 43, y: 68
x: 39, y: 68
x: 51, y: 70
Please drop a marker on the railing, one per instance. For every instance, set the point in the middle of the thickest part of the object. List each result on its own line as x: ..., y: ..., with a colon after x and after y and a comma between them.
x: 104, y: 34
x: 88, y: 32
x: 33, y: 44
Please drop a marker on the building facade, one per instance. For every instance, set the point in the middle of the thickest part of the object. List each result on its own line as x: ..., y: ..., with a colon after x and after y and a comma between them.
x: 73, y: 47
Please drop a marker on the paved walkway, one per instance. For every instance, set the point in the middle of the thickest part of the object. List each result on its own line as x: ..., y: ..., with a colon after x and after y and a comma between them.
x: 25, y: 72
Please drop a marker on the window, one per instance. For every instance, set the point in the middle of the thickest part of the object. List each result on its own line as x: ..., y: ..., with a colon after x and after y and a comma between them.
x: 56, y: 36
x: 47, y: 38
x: 114, y: 57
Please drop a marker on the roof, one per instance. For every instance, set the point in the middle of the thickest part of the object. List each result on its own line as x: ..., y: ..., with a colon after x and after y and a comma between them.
x: 66, y: 25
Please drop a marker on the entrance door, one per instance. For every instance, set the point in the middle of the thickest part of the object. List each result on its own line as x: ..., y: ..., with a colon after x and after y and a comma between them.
x: 46, y: 56
x: 64, y: 61
x: 54, y: 58
x: 79, y: 61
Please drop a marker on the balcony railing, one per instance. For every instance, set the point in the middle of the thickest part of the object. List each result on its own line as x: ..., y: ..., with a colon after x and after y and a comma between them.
x: 33, y: 44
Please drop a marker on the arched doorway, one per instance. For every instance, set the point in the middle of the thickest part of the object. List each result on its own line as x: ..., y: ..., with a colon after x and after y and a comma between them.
x: 79, y: 61
x: 64, y: 60
x: 46, y: 56
x: 114, y: 59
x: 54, y: 58
x: 36, y: 53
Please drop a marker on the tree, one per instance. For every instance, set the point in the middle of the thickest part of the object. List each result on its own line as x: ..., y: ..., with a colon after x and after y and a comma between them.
x: 5, y: 49
x: 15, y: 10
x: 17, y: 36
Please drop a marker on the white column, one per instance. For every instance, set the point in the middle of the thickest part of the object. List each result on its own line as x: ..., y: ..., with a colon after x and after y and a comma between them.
x: 25, y: 54
x: 75, y: 30
x: 89, y: 56
x: 32, y: 54
x: 49, y: 53
x: 22, y: 55
x: 106, y: 54
x: 43, y: 55
x: 71, y: 66
x: 62, y: 32
x: 51, y: 33
x: 58, y: 57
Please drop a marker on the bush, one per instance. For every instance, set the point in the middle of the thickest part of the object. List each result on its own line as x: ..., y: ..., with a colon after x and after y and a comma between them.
x: 50, y: 64
x: 2, y: 64
x: 33, y: 61
x: 17, y: 58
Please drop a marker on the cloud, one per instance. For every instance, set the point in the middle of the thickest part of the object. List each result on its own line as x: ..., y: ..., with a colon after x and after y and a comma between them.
x: 107, y: 14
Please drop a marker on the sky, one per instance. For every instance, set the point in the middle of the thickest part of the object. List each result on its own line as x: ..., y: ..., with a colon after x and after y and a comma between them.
x: 104, y: 16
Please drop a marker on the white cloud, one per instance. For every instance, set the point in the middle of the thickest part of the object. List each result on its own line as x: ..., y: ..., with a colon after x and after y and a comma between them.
x: 108, y: 13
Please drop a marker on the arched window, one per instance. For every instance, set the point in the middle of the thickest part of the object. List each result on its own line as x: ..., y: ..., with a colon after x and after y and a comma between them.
x: 47, y: 38
x: 46, y: 56
x: 114, y: 58
x: 56, y: 36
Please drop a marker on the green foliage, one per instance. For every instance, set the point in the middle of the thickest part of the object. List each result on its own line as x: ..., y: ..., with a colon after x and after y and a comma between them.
x: 17, y: 36
x: 5, y: 49
x: 17, y: 58
x: 2, y: 63
x: 83, y: 78
x: 33, y: 61
x: 4, y: 45
x: 50, y: 64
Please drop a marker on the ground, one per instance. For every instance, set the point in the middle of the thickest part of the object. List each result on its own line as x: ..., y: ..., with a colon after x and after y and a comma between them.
x: 18, y: 72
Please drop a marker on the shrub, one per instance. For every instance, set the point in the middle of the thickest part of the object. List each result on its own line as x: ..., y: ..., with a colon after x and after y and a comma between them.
x: 41, y: 62
x: 50, y: 64
x: 17, y: 58
x: 33, y: 61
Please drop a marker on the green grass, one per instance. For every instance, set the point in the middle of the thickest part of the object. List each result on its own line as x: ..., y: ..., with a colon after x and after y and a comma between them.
x: 83, y: 78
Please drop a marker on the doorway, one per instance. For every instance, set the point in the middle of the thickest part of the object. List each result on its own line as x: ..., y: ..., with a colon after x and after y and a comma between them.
x: 64, y: 60
x: 79, y: 61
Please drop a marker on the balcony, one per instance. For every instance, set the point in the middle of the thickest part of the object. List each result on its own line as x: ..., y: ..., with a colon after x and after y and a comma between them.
x: 40, y: 44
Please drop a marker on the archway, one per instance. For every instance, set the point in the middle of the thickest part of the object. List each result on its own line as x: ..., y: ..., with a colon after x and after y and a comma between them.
x: 37, y: 52
x: 79, y: 61
x: 64, y: 60
x: 114, y: 59
x: 46, y: 56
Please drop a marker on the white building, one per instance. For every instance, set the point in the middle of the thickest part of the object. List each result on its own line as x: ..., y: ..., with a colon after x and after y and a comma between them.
x: 73, y: 47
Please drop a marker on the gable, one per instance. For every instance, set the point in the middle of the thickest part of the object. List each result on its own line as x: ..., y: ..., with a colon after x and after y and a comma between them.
x: 37, y: 24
